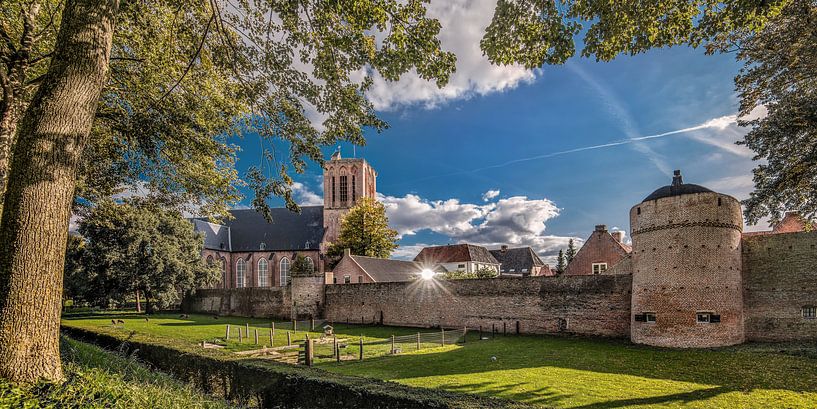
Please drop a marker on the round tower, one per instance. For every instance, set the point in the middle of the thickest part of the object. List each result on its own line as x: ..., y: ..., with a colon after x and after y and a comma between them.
x: 687, y: 289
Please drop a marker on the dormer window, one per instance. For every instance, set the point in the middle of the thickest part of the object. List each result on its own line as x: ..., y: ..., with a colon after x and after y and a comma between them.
x: 262, y: 246
x: 599, y: 268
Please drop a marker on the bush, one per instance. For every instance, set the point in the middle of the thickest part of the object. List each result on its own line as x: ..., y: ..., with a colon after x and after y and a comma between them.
x: 483, y: 272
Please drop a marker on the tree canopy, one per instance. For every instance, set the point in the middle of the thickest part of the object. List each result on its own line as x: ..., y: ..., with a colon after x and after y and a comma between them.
x: 139, y: 246
x: 365, y: 231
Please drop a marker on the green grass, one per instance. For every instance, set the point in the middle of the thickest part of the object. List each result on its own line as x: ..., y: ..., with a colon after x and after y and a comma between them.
x: 546, y: 371
x: 100, y: 379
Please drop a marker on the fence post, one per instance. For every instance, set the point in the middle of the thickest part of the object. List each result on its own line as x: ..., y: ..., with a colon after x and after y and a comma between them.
x: 464, y: 334
x: 418, y: 341
x: 392, y: 344
x: 493, y: 331
x: 289, y: 338
x: 309, y: 351
x: 256, y: 336
x: 271, y: 342
x: 272, y: 327
x: 239, y: 335
x: 228, y: 332
x: 480, y: 332
x: 361, y: 348
x: 517, y: 327
x: 247, y: 331
x: 504, y: 328
x: 337, y: 352
x: 295, y: 326
x: 442, y: 340
x: 312, y: 324
x: 335, y: 349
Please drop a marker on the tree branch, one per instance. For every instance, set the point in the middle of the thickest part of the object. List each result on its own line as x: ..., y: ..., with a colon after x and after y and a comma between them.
x: 193, y: 58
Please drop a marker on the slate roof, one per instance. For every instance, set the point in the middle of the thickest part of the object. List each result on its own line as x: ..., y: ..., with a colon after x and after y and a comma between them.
x: 248, y: 229
x: 677, y: 188
x: 454, y: 253
x: 387, y: 270
x: 517, y: 259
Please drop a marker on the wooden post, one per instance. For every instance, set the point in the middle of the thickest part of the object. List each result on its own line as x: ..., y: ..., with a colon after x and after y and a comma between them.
x: 392, y: 344
x: 309, y: 351
x: 312, y: 324
x: 517, y: 327
x: 247, y: 330
x: 418, y: 341
x: 442, y: 339
x: 256, y: 336
x: 480, y: 332
x: 295, y: 326
x: 504, y: 328
x: 493, y: 331
x: 337, y: 352
x: 272, y: 328
x: 335, y: 349
x: 361, y: 348
x: 464, y: 334
x: 289, y: 338
x: 227, y: 336
x: 239, y: 335
x: 271, y: 340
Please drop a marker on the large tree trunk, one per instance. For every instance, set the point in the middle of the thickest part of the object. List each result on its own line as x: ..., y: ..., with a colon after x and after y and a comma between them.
x: 38, y: 199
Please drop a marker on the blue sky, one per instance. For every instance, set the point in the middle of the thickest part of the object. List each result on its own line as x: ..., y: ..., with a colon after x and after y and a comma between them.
x: 514, y: 131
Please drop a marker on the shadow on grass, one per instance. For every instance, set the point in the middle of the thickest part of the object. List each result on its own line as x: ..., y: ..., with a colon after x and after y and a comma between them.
x: 683, y: 397
x: 729, y: 369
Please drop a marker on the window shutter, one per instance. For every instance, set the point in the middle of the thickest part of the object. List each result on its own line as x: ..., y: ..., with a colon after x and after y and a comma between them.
x: 714, y: 318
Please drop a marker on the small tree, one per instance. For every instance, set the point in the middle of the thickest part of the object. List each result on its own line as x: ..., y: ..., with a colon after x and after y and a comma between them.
x: 486, y: 272
x: 139, y: 247
x: 571, y: 251
x: 301, y: 267
x: 560, y: 263
x: 365, y: 232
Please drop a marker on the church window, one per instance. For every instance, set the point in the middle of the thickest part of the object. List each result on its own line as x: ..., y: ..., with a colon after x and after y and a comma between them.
x: 310, y: 264
x: 347, y: 279
x: 240, y: 270
x: 224, y: 273
x: 333, y: 191
x: 344, y: 189
x: 209, y: 261
x: 810, y: 312
x: 263, y: 273
x: 284, y: 271
x: 354, y: 192
x: 599, y: 268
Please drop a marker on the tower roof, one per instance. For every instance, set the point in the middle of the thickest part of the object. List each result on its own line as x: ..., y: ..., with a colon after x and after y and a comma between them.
x: 677, y: 188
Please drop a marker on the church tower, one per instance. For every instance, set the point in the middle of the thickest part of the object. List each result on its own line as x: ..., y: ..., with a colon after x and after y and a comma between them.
x: 345, y: 181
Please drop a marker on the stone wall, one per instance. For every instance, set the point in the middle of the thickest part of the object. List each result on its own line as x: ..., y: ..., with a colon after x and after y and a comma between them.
x: 248, y: 302
x: 780, y: 278
x: 585, y: 305
x: 307, y: 296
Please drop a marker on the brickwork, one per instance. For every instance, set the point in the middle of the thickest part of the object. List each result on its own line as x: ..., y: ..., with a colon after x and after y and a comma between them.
x: 780, y: 278
x: 348, y: 267
x: 345, y: 181
x: 307, y: 296
x: 272, y: 302
x: 251, y: 267
x: 594, y: 305
x: 686, y: 259
x: 600, y: 247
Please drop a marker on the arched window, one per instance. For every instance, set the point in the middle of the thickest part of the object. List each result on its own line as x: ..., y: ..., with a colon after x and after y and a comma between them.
x: 209, y: 261
x: 224, y: 273
x: 284, y: 271
x: 240, y: 271
x: 263, y: 273
x: 310, y: 264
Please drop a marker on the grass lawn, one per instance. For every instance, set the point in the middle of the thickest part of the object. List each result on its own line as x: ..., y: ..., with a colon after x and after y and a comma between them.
x: 547, y: 371
x: 100, y: 379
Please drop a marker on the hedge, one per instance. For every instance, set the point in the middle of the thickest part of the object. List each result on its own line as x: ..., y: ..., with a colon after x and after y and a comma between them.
x: 265, y: 384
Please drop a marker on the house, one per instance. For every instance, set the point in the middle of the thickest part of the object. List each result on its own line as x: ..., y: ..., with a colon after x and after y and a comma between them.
x: 600, y: 252
x: 361, y: 269
x: 520, y: 262
x: 457, y: 257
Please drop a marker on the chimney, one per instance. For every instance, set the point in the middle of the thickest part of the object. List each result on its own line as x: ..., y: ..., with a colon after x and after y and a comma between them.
x: 601, y: 227
x: 347, y: 252
x: 618, y: 235
x: 677, y: 180
x: 504, y: 248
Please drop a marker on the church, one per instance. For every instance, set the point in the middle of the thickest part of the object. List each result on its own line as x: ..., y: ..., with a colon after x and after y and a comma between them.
x: 253, y: 252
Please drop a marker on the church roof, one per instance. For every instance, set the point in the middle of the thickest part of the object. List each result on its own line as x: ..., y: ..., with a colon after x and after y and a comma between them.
x: 248, y: 230
x: 387, y: 270
x: 677, y: 188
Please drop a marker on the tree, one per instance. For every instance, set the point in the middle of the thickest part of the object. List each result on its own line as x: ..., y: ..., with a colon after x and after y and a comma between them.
x: 365, y: 231
x: 571, y: 251
x: 266, y: 47
x: 560, y: 262
x: 780, y: 73
x: 533, y: 32
x: 302, y: 267
x: 138, y: 247
x: 482, y: 272
x: 34, y: 224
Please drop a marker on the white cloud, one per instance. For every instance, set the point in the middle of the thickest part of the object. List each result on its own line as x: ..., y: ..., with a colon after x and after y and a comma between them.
x: 491, y: 194
x: 463, y: 24
x: 515, y: 221
x: 305, y: 196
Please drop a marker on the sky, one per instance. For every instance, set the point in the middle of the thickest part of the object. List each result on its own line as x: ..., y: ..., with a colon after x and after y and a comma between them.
x: 504, y: 155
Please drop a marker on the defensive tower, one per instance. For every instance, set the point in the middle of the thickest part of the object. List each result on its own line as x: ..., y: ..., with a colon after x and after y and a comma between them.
x: 687, y: 288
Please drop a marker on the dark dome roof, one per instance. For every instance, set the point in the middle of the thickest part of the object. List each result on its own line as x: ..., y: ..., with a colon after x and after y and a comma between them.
x: 677, y: 188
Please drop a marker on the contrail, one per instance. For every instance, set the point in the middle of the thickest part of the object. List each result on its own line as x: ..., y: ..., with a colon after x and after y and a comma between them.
x: 720, y: 122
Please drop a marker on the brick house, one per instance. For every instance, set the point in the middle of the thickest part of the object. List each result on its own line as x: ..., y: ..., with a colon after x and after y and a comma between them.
x: 457, y: 257
x: 361, y: 269
x: 600, y: 252
x: 519, y: 262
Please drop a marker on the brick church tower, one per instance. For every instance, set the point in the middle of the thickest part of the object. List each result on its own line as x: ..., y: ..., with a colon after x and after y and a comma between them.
x: 345, y: 181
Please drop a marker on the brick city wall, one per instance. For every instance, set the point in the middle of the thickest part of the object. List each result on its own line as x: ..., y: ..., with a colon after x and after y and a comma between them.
x: 248, y: 302
x: 584, y: 305
x: 780, y: 278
